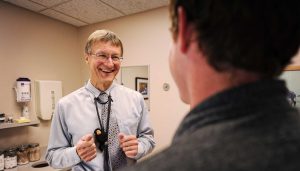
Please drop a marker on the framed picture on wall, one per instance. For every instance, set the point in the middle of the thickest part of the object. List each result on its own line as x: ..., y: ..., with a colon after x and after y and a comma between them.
x: 141, y: 85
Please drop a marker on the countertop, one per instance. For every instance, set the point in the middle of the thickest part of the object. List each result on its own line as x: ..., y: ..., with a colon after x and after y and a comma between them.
x: 28, y: 167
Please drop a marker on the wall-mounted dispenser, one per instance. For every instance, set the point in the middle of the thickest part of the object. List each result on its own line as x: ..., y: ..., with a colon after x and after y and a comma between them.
x: 23, y: 89
x: 23, y: 96
x: 47, y: 95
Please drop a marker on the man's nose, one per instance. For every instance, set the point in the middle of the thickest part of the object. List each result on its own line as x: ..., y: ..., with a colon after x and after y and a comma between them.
x: 109, y: 61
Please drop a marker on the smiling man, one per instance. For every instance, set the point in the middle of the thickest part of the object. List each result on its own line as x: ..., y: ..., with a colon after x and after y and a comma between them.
x: 103, y: 125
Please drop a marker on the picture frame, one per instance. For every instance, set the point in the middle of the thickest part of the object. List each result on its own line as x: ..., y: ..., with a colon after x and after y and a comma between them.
x: 141, y: 85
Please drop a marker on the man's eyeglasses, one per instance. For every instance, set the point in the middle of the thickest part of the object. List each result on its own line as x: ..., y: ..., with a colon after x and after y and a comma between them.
x: 105, y: 57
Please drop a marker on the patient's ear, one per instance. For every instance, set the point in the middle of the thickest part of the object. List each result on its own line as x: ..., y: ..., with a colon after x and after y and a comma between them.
x: 185, y: 30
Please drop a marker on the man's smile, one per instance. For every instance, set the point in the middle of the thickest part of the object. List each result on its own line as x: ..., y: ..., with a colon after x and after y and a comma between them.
x: 107, y: 70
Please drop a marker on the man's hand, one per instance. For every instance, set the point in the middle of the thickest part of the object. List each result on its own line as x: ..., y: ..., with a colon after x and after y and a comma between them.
x: 86, y: 148
x: 129, y: 144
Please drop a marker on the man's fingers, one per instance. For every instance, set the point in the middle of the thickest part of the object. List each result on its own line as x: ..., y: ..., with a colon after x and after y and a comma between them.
x: 129, y: 143
x: 87, y: 137
x: 84, y: 151
x: 130, y: 148
x: 91, y: 157
x: 88, y: 153
x: 86, y: 148
x: 131, y: 154
x: 85, y: 144
x: 129, y: 138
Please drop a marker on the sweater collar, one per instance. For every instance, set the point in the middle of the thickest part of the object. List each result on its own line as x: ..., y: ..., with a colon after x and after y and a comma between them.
x: 229, y: 104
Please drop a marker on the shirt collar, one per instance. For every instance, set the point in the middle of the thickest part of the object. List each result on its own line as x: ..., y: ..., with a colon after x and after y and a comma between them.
x: 95, y: 92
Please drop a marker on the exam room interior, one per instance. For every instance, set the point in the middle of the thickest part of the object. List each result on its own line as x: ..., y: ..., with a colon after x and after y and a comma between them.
x: 41, y: 48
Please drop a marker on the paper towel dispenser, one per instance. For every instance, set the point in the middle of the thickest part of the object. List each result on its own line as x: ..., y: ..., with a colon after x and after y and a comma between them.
x: 47, y: 95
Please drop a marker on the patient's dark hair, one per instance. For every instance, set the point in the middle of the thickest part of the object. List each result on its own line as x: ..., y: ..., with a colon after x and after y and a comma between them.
x: 259, y: 36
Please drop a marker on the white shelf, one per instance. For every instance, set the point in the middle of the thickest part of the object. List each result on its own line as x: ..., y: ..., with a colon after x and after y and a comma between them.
x: 14, y: 125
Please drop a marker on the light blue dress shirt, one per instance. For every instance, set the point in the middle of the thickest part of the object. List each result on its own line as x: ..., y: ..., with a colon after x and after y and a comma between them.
x: 75, y: 116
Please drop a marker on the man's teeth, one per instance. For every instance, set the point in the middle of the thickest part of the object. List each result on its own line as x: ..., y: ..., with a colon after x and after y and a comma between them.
x: 107, y: 71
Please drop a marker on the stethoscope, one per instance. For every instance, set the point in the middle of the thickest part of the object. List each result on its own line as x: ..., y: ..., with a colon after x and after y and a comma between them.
x: 101, y: 135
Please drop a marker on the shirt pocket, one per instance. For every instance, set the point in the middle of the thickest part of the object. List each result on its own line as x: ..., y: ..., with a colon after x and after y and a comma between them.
x: 129, y: 126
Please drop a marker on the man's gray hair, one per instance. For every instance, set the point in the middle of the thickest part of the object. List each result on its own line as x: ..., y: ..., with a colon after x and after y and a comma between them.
x: 103, y: 36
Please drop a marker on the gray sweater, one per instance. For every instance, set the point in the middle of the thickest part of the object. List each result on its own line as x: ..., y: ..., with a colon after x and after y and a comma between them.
x: 247, y: 128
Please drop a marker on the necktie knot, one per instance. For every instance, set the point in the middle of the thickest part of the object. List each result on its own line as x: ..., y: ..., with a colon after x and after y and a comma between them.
x: 103, y: 98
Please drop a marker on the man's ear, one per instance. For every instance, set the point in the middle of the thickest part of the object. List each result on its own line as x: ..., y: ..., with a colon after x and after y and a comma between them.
x: 185, y: 30
x: 86, y: 58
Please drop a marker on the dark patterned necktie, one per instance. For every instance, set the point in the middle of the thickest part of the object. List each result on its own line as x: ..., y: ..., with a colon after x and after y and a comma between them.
x: 116, y: 154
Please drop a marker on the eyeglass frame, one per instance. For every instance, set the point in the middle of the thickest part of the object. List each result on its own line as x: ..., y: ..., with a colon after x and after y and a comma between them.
x: 105, y: 57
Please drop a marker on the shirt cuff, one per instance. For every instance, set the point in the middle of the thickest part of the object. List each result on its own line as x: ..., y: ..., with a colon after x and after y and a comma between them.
x: 74, y: 156
x: 140, y: 151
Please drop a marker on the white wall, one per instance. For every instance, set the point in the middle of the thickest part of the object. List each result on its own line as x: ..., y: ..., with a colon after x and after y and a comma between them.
x: 127, y: 76
x: 130, y: 73
x: 40, y: 48
x: 296, y: 59
x: 146, y: 41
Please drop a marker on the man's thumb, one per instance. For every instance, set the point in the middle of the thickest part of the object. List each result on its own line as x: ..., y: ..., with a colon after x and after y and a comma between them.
x: 87, y: 137
x: 121, y: 136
